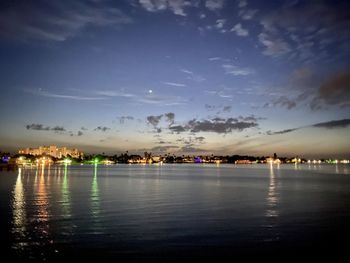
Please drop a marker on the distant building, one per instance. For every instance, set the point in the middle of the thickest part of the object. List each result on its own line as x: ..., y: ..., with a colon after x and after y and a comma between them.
x: 244, y: 161
x: 52, y: 150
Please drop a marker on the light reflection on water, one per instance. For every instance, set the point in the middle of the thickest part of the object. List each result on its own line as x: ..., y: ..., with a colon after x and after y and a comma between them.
x: 66, y: 202
x: 96, y: 227
x: 19, y: 213
x: 272, y: 212
x: 137, y: 205
x: 272, y: 197
x: 41, y: 199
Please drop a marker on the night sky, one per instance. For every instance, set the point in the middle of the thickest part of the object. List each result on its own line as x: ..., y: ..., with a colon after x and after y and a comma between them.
x: 177, y: 76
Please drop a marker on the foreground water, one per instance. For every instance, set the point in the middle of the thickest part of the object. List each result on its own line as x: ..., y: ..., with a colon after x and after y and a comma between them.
x: 174, y: 212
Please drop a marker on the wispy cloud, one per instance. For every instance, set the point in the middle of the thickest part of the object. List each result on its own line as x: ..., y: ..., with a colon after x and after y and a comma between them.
x: 175, y: 6
x: 274, y: 46
x: 160, y: 100
x: 123, y: 119
x: 174, y: 84
x: 242, y: 3
x: 220, y: 23
x: 236, y: 71
x: 334, y: 124
x: 192, y: 76
x: 186, y: 71
x: 214, y: 5
x: 51, y: 20
x: 114, y: 93
x: 62, y: 96
x: 282, y: 101
x: 102, y: 128
x: 248, y: 14
x: 281, y: 132
x: 304, y: 32
x: 240, y: 31
x: 214, y: 58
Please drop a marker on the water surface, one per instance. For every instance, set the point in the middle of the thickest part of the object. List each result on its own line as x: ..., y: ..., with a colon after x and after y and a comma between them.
x: 174, y: 212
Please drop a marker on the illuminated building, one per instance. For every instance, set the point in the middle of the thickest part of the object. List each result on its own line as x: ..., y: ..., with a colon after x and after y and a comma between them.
x: 52, y: 150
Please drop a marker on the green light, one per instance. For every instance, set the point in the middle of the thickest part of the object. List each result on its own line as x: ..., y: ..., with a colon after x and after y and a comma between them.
x: 95, y: 197
x: 67, y: 161
x: 66, y: 203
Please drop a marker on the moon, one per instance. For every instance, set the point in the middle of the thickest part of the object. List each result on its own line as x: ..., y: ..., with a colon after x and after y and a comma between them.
x: 150, y: 91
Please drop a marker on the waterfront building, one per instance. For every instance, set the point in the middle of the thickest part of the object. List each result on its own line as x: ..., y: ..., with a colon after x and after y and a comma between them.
x: 53, y: 151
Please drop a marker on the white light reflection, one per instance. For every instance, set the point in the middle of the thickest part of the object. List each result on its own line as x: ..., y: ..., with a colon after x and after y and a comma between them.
x: 95, y: 204
x: 272, y: 213
x: 66, y: 203
x: 19, y: 213
x: 272, y: 197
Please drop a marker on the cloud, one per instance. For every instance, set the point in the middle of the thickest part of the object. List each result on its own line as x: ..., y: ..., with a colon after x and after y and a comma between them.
x: 210, y: 107
x: 56, y: 21
x: 174, y: 84
x: 282, y: 102
x: 308, y: 28
x: 282, y: 132
x: 248, y: 14
x: 236, y: 71
x: 191, y: 149
x: 58, y: 129
x: 333, y: 124
x: 62, y: 96
x: 37, y: 127
x: 222, y: 126
x: 170, y: 117
x: 240, y: 31
x: 176, y: 6
x: 242, y: 3
x: 214, y: 5
x: 122, y: 119
x: 227, y: 108
x: 193, y: 76
x: 102, y: 128
x: 214, y: 58
x: 200, y: 139
x: 154, y: 120
x: 335, y: 91
x: 186, y: 71
x: 163, y: 148
x: 274, y: 47
x: 114, y: 93
x: 41, y: 127
x: 220, y: 23
x: 251, y: 118
x: 161, y: 100
x: 177, y: 129
x: 216, y: 125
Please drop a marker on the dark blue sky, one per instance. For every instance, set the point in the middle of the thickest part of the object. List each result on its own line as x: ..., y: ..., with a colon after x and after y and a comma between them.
x: 210, y: 76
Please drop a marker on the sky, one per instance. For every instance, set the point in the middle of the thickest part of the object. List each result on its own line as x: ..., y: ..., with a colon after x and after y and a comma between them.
x: 177, y: 76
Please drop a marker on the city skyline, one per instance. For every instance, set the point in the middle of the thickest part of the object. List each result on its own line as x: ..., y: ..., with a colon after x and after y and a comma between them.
x: 192, y: 77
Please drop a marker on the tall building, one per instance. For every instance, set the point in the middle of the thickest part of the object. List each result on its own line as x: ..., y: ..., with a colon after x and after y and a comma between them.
x: 52, y: 150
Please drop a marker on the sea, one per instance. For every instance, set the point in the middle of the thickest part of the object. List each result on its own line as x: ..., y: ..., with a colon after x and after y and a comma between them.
x: 175, y: 212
